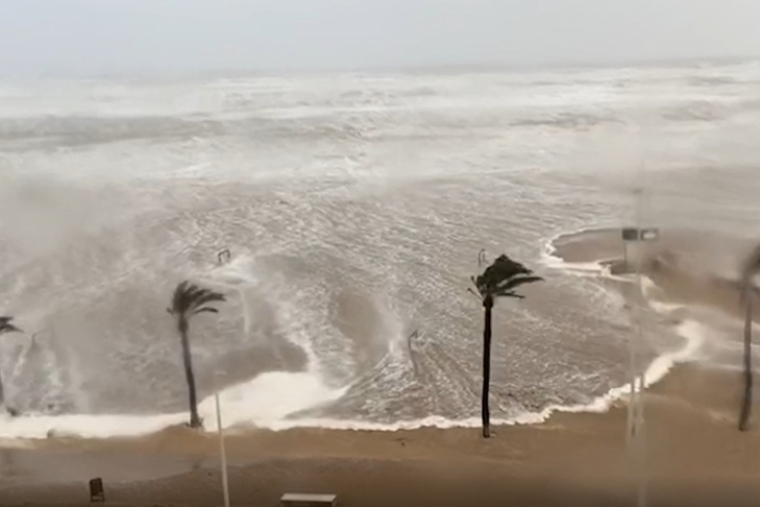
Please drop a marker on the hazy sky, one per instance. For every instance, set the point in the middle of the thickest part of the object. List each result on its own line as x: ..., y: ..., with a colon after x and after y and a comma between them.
x: 123, y: 36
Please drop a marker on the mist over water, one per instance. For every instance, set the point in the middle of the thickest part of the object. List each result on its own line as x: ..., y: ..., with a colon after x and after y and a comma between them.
x: 354, y: 206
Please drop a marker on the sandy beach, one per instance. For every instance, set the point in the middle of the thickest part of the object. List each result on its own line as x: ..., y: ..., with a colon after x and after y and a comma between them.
x: 695, y: 456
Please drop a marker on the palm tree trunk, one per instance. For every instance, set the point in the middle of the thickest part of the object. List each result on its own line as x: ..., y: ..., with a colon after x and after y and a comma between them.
x: 195, y: 420
x: 747, y: 403
x: 2, y: 394
x: 485, y: 413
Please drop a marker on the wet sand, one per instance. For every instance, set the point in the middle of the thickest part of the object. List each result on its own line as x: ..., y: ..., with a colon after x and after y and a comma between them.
x: 688, y: 267
x: 695, y: 456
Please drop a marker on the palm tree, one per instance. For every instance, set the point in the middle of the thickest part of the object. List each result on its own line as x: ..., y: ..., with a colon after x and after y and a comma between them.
x: 750, y: 268
x: 6, y: 327
x: 500, y: 279
x: 190, y: 300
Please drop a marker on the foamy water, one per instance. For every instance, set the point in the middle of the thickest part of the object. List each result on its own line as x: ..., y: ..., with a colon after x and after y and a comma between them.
x: 354, y: 206
x: 268, y: 399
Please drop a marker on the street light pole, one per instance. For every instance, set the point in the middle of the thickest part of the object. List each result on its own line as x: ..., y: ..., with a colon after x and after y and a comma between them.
x: 222, y: 451
x: 638, y: 379
x: 634, y: 340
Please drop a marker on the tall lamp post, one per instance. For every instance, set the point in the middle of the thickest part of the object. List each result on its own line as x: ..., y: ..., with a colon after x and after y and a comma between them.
x: 635, y: 425
x: 222, y: 449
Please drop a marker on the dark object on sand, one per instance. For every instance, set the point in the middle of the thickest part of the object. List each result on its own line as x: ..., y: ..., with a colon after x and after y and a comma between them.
x: 308, y: 500
x: 190, y: 300
x: 7, y: 327
x: 97, y: 494
x: 750, y: 268
x: 500, y: 279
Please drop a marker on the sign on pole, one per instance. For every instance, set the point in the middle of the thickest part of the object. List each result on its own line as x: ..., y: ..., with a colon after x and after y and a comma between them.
x: 630, y: 234
x: 650, y: 234
x: 636, y: 234
x: 635, y: 409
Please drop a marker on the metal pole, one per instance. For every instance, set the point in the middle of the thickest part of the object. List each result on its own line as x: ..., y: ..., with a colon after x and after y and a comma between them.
x: 633, y: 402
x: 631, y: 427
x: 639, y: 295
x: 225, y: 484
x: 638, y: 420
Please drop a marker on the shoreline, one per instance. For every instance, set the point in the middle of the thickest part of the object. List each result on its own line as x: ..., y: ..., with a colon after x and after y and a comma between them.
x: 691, y: 439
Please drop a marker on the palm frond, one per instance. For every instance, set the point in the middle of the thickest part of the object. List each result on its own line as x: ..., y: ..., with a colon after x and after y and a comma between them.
x: 205, y: 309
x: 508, y: 285
x: 509, y: 294
x: 178, y: 298
x: 501, y: 277
x: 188, y: 298
x: 192, y: 293
x: 208, y: 296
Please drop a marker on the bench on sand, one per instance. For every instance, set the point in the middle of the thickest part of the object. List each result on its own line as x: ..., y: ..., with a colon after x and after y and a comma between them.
x: 308, y: 500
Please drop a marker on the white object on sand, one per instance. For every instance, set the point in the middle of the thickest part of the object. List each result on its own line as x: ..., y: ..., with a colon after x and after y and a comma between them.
x: 307, y: 500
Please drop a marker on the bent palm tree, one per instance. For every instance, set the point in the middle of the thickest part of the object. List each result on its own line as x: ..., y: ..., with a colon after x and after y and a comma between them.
x: 750, y: 268
x: 189, y: 300
x: 500, y: 279
x: 6, y: 327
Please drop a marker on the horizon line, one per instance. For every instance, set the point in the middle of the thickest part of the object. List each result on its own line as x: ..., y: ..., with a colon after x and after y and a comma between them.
x: 431, y: 67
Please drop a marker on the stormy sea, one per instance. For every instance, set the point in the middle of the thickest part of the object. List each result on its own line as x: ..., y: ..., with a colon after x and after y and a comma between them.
x: 355, y: 207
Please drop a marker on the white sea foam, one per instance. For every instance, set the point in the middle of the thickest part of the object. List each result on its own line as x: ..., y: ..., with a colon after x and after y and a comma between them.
x: 268, y: 400
x: 550, y: 259
x: 263, y: 402
x: 691, y: 331
x: 238, y: 274
x: 664, y: 308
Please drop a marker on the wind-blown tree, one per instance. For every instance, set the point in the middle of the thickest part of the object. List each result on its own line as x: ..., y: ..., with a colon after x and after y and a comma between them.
x: 6, y: 327
x: 190, y: 300
x: 500, y: 279
x: 750, y: 268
